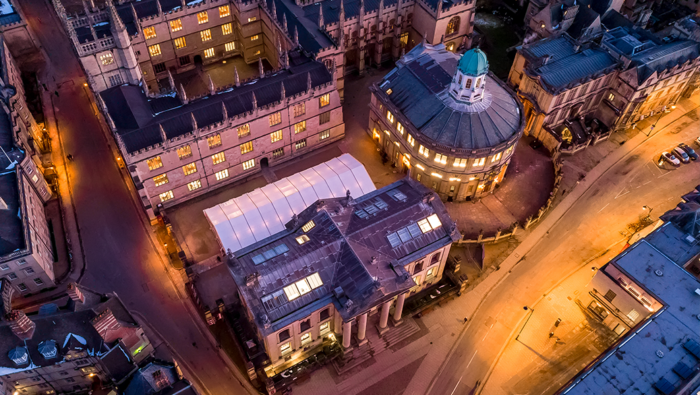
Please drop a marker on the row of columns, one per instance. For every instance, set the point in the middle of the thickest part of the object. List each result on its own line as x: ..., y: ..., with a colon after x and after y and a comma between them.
x: 383, y: 321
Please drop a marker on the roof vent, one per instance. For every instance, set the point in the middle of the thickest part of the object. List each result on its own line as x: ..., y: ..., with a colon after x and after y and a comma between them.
x: 373, y: 260
x: 697, y: 292
x: 690, y: 239
x: 658, y: 273
x: 659, y: 353
x: 19, y: 355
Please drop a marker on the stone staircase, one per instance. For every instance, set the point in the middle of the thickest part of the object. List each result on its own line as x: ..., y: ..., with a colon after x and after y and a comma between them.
x: 375, y: 345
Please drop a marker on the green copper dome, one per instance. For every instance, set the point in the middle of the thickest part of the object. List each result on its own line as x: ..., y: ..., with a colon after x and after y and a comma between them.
x: 473, y: 63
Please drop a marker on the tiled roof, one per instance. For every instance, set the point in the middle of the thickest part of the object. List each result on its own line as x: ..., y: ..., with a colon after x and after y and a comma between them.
x: 346, y: 250
x: 137, y: 117
x: 418, y: 89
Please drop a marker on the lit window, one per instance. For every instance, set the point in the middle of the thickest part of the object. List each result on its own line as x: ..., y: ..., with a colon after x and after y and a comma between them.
x: 325, y: 134
x: 226, y: 29
x: 434, y: 221
x: 35, y: 178
x: 184, y: 152
x: 611, y: 97
x: 390, y: 116
x: 230, y: 46
x: 160, y: 180
x: 424, y: 225
x: 166, y: 196
x: 308, y: 226
x: 417, y: 279
x: 424, y: 151
x: 205, y: 35
x: 399, y: 127
x: 300, y: 144
x: 224, y: 11
x: 175, y: 25
x: 209, y: 53
x: 252, y: 19
x: 299, y: 109
x: 286, y: 347
x: 479, y: 162
x: 246, y: 147
x: 275, y: 119
x: 190, y: 168
x: 460, y: 162
x: 300, y: 127
x: 306, y: 338
x: 249, y: 164
x: 276, y: 136
x: 404, y: 39
x: 440, y: 158
x: 107, y: 59
x: 220, y: 175
x: 255, y: 37
x: 324, y: 327
x: 292, y: 292
x: 303, y: 287
x: 389, y: 91
x: 180, y: 43
x: 496, y: 157
x: 324, y: 100
x: 243, y: 130
x: 411, y: 141
x: 431, y: 273
x: 279, y: 152
x: 154, y: 50
x: 149, y: 32
x: 314, y: 281
x: 218, y: 158
x: 194, y: 185
x: 302, y: 239
x: 214, y: 141
x: 202, y: 17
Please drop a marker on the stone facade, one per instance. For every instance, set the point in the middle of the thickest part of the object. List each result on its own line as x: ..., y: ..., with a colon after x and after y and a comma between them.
x: 454, y: 168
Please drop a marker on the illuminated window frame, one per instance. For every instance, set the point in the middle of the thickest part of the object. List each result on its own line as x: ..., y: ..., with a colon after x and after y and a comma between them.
x: 184, y: 152
x: 226, y: 29
x: 390, y: 117
x: 300, y: 127
x: 106, y: 59
x: 220, y: 175
x: 411, y: 141
x: 214, y: 141
x: 189, y: 168
x: 194, y: 185
x: 160, y: 180
x: 202, y: 17
x: 224, y: 11
x: 255, y: 37
x: 276, y: 136
x: 275, y: 119
x: 308, y: 226
x: 218, y: 158
x: 243, y: 130
x: 176, y: 25
x: 324, y: 100
x: 166, y: 196
x: 249, y: 164
x: 149, y: 32
x: 246, y: 147
x: 209, y: 53
x: 205, y: 35
x: 228, y: 47
x: 440, y: 158
x: 423, y: 151
x: 180, y: 43
x: 154, y: 50
x: 154, y: 163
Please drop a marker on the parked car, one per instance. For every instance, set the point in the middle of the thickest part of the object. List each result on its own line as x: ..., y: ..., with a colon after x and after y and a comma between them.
x: 670, y: 159
x: 691, y: 152
x: 680, y: 154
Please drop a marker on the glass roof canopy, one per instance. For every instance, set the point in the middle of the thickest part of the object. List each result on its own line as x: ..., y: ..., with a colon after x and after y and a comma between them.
x: 252, y: 217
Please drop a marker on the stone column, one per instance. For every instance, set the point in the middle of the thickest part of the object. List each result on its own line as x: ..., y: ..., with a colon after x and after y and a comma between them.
x: 362, y: 327
x: 398, y: 310
x: 347, y: 333
x: 384, y: 318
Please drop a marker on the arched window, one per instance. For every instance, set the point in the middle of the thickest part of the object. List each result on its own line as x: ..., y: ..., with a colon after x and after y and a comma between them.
x: 452, y: 27
x: 469, y: 83
x: 435, y: 259
x: 460, y: 79
x: 478, y: 82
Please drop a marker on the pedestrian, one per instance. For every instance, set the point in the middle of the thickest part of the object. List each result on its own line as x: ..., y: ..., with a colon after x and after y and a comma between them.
x: 465, y: 320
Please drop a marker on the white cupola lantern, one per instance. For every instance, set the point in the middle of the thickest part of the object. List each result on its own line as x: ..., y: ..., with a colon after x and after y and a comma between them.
x: 470, y: 78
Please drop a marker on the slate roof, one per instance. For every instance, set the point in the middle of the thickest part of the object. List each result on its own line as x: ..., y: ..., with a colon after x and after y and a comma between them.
x: 305, y: 21
x: 663, y: 57
x: 632, y: 366
x: 62, y: 326
x: 137, y: 117
x: 341, y: 249
x: 11, y: 228
x: 419, y: 87
x: 569, y: 65
x: 614, y: 19
x: 143, y: 383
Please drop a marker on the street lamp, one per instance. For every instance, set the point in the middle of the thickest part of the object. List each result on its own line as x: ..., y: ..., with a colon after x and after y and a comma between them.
x: 663, y: 112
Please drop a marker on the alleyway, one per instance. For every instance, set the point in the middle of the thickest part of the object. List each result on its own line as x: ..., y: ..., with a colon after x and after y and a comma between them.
x: 120, y: 254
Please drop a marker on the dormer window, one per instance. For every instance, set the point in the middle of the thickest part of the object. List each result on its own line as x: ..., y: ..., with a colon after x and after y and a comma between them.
x: 469, y: 82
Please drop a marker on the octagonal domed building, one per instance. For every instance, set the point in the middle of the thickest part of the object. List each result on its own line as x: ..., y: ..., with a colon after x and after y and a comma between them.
x: 447, y: 119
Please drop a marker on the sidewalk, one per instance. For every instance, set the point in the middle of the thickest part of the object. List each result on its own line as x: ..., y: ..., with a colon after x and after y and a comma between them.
x: 436, y: 346
x: 69, y: 229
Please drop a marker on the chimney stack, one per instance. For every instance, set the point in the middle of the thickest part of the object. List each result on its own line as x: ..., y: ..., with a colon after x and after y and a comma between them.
x: 106, y: 323
x: 21, y: 325
x: 75, y: 293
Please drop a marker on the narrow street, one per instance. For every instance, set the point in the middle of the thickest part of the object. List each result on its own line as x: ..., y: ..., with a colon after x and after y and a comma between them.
x: 120, y: 254
x: 590, y: 227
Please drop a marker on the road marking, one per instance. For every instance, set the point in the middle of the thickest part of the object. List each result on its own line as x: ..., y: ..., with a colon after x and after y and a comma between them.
x: 487, y: 333
x: 470, y: 361
x: 603, y: 208
x: 621, y: 194
x: 460, y: 380
x: 646, y: 183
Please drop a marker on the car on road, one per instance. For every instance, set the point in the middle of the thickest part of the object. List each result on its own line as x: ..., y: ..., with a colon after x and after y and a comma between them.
x: 670, y: 159
x: 691, y: 152
x: 680, y: 154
